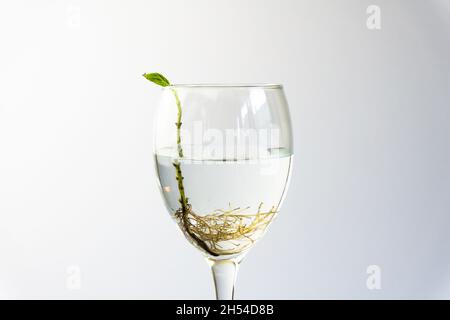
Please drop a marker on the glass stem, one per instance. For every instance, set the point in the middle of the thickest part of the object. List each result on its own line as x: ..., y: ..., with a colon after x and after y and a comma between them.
x: 224, y: 274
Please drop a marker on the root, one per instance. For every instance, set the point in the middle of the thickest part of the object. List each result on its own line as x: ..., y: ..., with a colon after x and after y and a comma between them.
x: 224, y: 232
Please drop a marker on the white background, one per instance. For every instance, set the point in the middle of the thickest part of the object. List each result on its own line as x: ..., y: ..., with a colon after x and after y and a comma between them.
x: 370, y: 110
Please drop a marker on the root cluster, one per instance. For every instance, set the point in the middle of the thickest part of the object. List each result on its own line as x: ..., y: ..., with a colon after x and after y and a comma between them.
x: 224, y: 232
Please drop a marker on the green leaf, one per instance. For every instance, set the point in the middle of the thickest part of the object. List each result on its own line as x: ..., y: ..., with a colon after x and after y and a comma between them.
x: 157, y: 78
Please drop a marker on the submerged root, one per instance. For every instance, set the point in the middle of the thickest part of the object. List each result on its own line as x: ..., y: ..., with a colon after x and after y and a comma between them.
x: 224, y: 232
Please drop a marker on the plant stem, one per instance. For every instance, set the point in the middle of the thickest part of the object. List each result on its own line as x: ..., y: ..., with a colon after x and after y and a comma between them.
x: 179, y: 176
x: 178, y: 123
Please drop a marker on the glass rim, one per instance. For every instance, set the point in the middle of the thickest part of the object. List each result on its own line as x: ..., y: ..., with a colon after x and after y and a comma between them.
x: 227, y: 85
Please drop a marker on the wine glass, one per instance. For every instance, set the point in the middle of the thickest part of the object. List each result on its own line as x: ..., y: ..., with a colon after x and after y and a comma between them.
x: 223, y: 155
